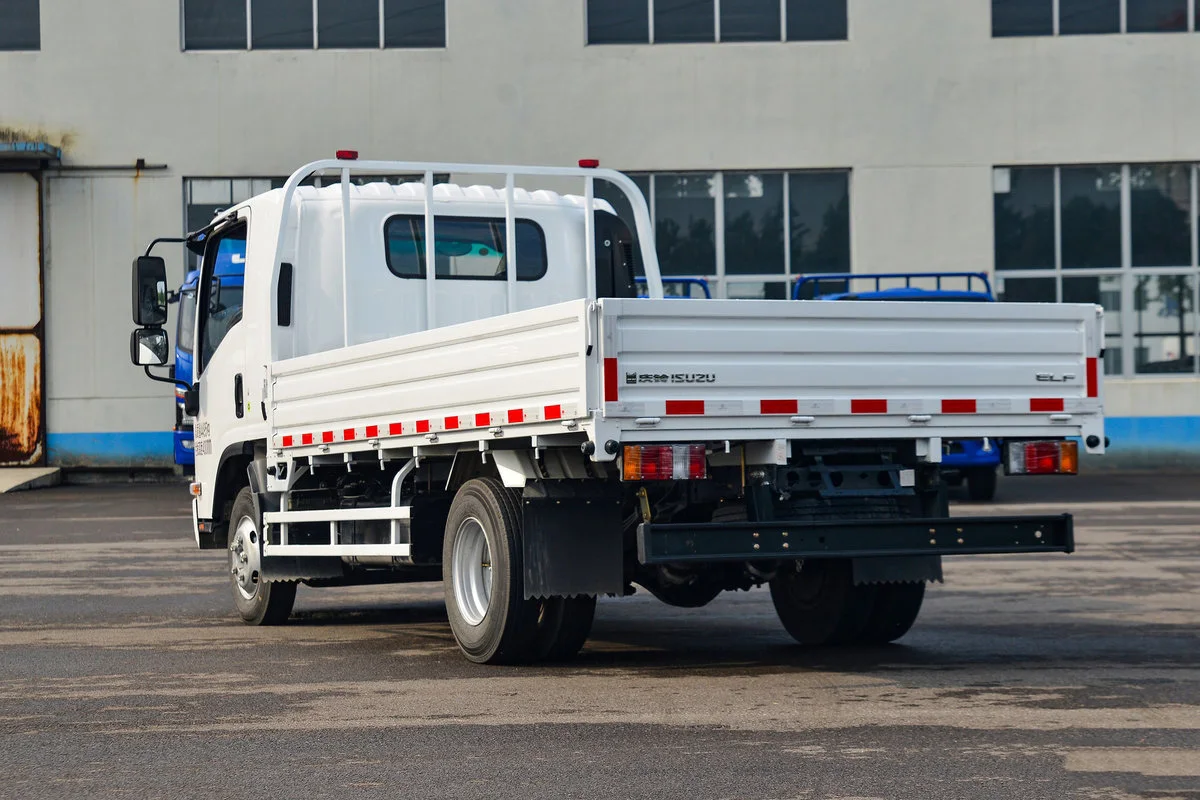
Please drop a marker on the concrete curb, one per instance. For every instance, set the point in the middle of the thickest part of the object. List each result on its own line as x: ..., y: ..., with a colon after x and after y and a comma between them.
x: 16, y: 479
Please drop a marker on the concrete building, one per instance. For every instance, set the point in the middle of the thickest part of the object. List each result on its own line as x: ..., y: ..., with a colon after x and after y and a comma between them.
x: 1051, y: 143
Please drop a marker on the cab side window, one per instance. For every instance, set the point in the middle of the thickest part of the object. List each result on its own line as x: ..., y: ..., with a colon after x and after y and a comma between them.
x: 219, y: 304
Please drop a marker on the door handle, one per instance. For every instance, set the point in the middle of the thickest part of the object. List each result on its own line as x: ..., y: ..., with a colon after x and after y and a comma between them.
x: 239, y: 404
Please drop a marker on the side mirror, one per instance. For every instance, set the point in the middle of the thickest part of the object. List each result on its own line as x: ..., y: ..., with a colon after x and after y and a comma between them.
x: 148, y: 347
x: 149, y: 291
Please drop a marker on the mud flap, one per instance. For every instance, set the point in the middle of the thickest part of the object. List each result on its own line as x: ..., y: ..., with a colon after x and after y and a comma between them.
x: 572, y: 538
x: 906, y: 569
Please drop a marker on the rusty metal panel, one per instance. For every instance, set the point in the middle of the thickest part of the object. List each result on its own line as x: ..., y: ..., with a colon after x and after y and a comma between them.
x: 21, y: 302
x: 20, y: 399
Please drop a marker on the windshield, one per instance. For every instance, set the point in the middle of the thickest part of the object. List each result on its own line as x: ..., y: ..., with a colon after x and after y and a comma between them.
x: 187, y: 321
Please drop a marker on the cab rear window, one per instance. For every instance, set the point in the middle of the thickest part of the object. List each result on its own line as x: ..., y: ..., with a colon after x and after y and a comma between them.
x: 465, y: 248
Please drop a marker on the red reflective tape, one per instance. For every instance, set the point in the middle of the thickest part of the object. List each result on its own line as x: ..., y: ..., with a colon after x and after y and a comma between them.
x: 553, y: 412
x: 348, y: 435
x: 326, y: 437
x: 685, y: 406
x: 1046, y: 404
x: 483, y: 420
x: 610, y: 380
x: 287, y: 441
x: 1093, y: 377
x: 395, y: 429
x: 958, y: 406
x: 779, y: 406
x: 868, y: 406
x: 372, y: 431
x: 306, y: 438
x: 422, y: 426
x: 451, y: 423
x: 516, y: 415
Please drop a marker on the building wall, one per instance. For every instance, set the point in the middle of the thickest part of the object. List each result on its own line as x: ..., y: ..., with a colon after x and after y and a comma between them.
x: 920, y: 103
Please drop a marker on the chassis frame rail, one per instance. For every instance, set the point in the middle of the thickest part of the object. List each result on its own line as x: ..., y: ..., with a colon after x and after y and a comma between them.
x: 783, y: 539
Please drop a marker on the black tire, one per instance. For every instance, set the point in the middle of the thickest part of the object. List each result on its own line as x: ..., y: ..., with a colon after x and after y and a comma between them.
x: 819, y: 603
x: 563, y: 626
x: 506, y: 633
x: 981, y: 484
x: 258, y: 602
x: 896, y: 608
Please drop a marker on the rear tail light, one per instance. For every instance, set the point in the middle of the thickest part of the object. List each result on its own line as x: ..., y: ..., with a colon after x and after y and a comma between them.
x: 664, y: 462
x: 1043, y: 458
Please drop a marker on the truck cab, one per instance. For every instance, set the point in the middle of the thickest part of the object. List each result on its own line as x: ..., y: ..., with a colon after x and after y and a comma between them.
x: 228, y: 273
x: 973, y: 462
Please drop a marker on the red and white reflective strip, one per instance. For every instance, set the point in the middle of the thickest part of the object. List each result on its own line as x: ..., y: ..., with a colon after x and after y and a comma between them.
x: 431, y: 425
x: 858, y: 406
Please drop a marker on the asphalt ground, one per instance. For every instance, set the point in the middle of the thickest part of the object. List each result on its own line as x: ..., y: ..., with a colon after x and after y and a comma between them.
x: 123, y: 672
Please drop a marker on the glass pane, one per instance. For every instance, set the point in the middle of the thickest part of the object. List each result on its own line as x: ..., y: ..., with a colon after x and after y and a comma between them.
x: 1023, y: 210
x: 618, y: 21
x: 819, y: 220
x: 281, y: 24
x: 685, y: 218
x: 1091, y: 216
x: 753, y: 223
x: 1164, y: 314
x: 750, y: 21
x: 414, y: 23
x: 1104, y: 291
x: 1150, y: 16
x: 1026, y: 290
x: 1159, y: 199
x: 467, y: 248
x: 684, y: 21
x: 1022, y: 18
x: 816, y: 20
x: 214, y: 25
x: 759, y: 290
x: 1089, y: 16
x: 616, y: 198
x: 348, y: 23
x: 20, y: 25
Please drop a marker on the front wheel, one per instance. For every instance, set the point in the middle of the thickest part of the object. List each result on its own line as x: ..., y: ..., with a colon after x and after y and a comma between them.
x: 258, y: 602
x: 981, y: 484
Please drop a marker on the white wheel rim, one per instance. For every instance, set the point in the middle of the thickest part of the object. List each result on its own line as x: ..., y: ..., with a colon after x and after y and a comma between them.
x: 471, y: 571
x: 243, y: 558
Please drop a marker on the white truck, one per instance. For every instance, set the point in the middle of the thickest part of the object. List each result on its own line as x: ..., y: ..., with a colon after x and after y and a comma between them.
x: 518, y: 423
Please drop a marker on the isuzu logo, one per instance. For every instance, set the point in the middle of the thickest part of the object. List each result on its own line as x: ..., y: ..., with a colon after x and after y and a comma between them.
x: 1050, y: 377
x: 678, y: 377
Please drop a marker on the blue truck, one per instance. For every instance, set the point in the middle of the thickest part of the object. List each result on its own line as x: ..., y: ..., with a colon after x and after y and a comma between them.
x: 226, y: 300
x: 973, y: 462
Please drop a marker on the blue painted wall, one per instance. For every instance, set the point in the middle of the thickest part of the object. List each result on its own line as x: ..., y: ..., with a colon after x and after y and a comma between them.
x: 1136, y: 443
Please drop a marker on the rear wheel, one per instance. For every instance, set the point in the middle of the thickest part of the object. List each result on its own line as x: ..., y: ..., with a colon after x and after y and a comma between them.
x: 981, y: 484
x: 482, y: 573
x: 258, y: 602
x: 896, y: 608
x: 563, y: 626
x: 819, y: 603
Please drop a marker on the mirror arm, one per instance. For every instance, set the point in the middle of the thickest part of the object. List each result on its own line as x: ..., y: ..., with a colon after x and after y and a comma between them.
x: 161, y: 379
x: 165, y: 240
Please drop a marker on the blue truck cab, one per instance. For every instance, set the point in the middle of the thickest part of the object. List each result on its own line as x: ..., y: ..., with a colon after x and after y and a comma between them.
x: 974, y: 462
x: 229, y: 274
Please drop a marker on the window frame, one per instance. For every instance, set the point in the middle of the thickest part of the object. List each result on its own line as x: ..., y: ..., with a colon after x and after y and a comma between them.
x: 381, y: 43
x: 387, y: 252
x: 1122, y: 22
x: 650, y: 39
x: 1126, y: 273
x: 37, y: 47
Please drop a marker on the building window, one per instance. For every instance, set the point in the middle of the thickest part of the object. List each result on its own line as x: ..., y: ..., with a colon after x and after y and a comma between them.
x: 748, y: 234
x: 20, y: 25
x: 1077, y: 17
x: 307, y: 24
x: 667, y: 21
x: 1120, y: 235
